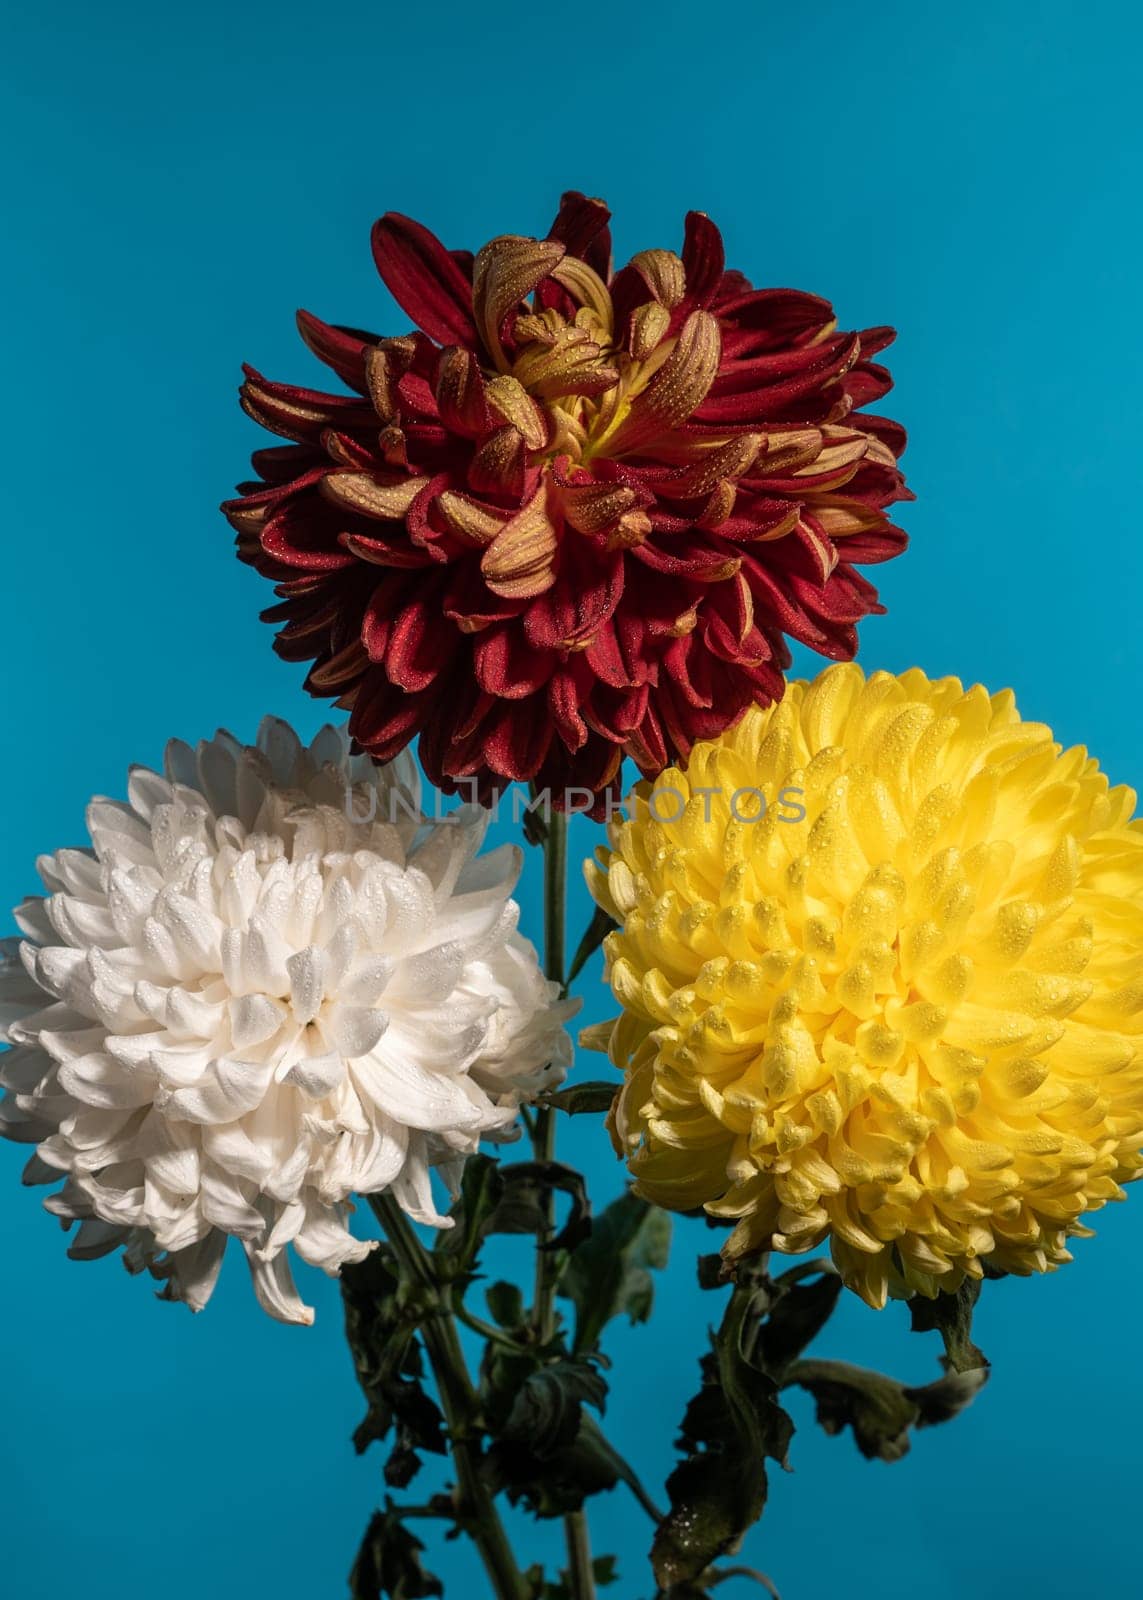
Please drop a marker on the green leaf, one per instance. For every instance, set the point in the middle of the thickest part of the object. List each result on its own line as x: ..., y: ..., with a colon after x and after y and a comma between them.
x: 381, y: 1327
x: 951, y: 1315
x: 508, y: 1197
x: 947, y: 1397
x: 581, y: 1098
x: 604, y: 1570
x: 534, y: 826
x: 595, y: 933
x: 389, y: 1562
x: 547, y: 1407
x: 551, y: 1486
x: 522, y: 1204
x: 799, y: 1312
x: 545, y: 1453
x: 880, y: 1410
x: 506, y: 1304
x: 712, y: 1273
x: 874, y: 1406
x: 731, y: 1426
x: 609, y: 1273
x: 456, y: 1249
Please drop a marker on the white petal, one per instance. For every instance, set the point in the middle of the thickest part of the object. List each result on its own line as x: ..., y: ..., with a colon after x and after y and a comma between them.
x: 403, y: 1090
x: 118, y: 834
x: 376, y: 1161
x: 224, y: 1204
x: 231, y: 1149
x: 274, y: 1287
x: 317, y: 1076
x: 77, y: 871
x: 230, y: 1090
x: 19, y: 992
x: 146, y: 790
x: 23, y: 1068
x: 307, y: 983
x: 367, y: 980
x: 194, y: 1271
x: 98, y: 1080
x: 33, y: 919
x: 61, y: 970
x: 431, y: 975
x: 325, y: 1241
x: 197, y: 933
x: 95, y: 1238
x: 356, y: 1029
x: 77, y: 922
x: 413, y: 1191
x: 282, y: 748
x: 253, y: 1018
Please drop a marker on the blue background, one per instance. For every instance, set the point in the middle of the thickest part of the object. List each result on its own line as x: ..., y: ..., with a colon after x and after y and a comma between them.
x: 176, y: 184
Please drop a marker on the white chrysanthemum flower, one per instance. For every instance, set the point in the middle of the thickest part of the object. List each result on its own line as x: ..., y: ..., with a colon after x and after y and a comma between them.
x: 270, y: 984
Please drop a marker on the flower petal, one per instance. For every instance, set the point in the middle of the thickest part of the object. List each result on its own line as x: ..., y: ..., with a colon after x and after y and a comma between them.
x: 424, y: 279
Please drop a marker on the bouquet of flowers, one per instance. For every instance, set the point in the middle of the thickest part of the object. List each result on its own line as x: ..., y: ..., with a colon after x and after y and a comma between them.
x: 875, y: 942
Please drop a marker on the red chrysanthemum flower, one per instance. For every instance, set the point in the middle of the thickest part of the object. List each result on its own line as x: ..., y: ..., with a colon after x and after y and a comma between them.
x: 571, y: 517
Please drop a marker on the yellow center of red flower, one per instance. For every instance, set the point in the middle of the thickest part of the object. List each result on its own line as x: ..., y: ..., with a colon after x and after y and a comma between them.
x: 571, y: 389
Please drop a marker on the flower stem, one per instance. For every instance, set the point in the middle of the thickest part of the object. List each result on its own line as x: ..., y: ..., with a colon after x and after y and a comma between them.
x: 544, y: 1128
x: 555, y: 895
x: 581, y: 1576
x: 458, y: 1401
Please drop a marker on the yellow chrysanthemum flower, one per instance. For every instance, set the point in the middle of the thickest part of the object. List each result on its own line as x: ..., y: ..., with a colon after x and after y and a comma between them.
x: 880, y: 959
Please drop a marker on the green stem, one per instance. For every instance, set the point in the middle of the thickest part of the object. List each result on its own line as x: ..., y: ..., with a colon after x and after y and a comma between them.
x: 477, y: 1507
x: 580, y: 1574
x: 484, y: 1329
x: 544, y: 1128
x: 555, y: 895
x: 543, y: 1149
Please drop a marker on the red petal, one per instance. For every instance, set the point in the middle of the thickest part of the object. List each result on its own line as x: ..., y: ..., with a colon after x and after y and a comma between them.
x: 647, y: 746
x: 304, y: 534
x: 507, y: 666
x: 395, y: 551
x: 766, y: 371
x: 607, y: 660
x: 689, y: 555
x: 419, y: 648
x: 424, y: 279
x: 384, y: 605
x: 384, y: 718
x: 460, y: 393
x: 615, y: 714
x: 563, y: 701
x: 278, y: 463
x: 588, y: 587
x: 681, y: 656
x: 775, y: 318
x: 772, y: 597
x: 882, y: 544
x: 581, y: 225
x: 889, y: 432
x: 867, y: 384
x: 703, y: 258
x: 342, y: 349
x: 471, y: 604
x: 875, y: 339
x: 516, y: 739
x: 300, y: 414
